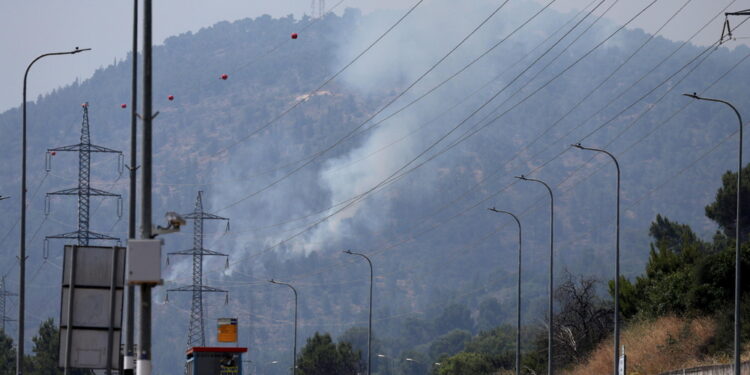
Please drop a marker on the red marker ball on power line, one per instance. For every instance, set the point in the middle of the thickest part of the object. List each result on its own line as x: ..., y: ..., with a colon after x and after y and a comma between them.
x: 294, y: 35
x: 171, y: 97
x: 123, y: 105
x: 224, y: 76
x: 53, y: 153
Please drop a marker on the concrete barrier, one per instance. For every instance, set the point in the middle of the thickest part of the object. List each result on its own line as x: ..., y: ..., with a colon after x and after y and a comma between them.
x: 710, y: 370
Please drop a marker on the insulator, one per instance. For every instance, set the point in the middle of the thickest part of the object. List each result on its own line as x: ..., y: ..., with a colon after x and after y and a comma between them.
x: 167, y: 259
x: 45, y: 249
x: 120, y: 163
x: 226, y: 298
x: 47, y: 205
x: 119, y: 207
x: 48, y: 162
x: 166, y: 298
x: 226, y: 265
x: 227, y: 229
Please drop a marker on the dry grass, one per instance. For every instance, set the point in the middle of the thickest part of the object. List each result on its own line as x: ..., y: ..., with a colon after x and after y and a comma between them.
x: 654, y: 347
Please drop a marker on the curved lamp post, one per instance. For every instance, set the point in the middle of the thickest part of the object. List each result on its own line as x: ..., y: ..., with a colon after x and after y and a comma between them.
x: 617, y: 256
x: 738, y: 258
x: 518, y: 303
x: 294, y: 362
x: 550, y: 367
x: 369, y: 328
x: 22, y: 247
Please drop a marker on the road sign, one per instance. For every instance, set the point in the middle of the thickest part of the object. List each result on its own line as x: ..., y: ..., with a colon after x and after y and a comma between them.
x: 227, y: 331
x: 91, y: 306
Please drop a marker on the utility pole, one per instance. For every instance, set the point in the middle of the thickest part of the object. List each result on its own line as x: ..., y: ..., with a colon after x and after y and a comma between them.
x: 143, y: 364
x: 129, y: 359
x: 4, y: 293
x: 84, y: 191
x: 196, y: 330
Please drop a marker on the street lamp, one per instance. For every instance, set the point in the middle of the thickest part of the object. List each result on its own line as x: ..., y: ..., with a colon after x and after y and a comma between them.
x: 369, y: 328
x: 550, y: 370
x: 737, y: 264
x: 518, y: 302
x: 617, y: 257
x: 294, y: 361
x: 2, y: 197
x: 22, y: 247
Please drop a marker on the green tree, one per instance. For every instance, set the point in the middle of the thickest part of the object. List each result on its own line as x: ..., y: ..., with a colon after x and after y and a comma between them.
x: 723, y: 210
x: 7, y: 355
x: 466, y: 364
x: 46, y: 351
x: 321, y: 356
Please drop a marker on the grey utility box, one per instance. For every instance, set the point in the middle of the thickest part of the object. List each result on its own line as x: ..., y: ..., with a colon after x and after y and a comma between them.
x: 144, y: 262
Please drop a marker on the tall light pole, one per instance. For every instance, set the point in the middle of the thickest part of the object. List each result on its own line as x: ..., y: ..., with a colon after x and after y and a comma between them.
x: 294, y: 351
x: 550, y: 367
x: 737, y: 238
x: 22, y: 247
x: 617, y: 258
x: 369, y: 328
x: 518, y: 302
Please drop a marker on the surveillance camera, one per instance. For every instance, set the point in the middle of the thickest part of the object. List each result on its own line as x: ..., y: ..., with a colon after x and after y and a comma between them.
x: 174, y: 222
x: 174, y: 219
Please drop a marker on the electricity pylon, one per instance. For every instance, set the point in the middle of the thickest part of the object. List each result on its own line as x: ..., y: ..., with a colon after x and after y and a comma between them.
x: 3, y: 295
x: 84, y: 191
x: 196, y: 331
x: 318, y: 8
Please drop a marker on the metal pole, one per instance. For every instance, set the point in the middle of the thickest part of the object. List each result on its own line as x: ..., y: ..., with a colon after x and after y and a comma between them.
x: 112, y: 302
x: 22, y: 239
x: 129, y: 360
x: 518, y: 302
x: 617, y: 258
x: 550, y: 364
x: 369, y: 328
x: 70, y: 307
x: 294, y: 352
x: 737, y: 239
x: 143, y: 365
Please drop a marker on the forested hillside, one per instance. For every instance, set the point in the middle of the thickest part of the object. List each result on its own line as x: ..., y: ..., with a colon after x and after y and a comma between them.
x: 304, y: 172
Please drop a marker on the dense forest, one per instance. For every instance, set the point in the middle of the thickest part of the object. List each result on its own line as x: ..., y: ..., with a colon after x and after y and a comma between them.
x: 305, y: 171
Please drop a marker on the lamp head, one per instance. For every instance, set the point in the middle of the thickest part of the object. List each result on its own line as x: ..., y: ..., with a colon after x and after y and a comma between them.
x: 521, y: 177
x: 577, y: 145
x: 693, y: 95
x: 348, y: 252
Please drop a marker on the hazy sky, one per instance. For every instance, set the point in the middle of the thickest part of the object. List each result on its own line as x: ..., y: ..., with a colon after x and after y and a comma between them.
x: 33, y: 27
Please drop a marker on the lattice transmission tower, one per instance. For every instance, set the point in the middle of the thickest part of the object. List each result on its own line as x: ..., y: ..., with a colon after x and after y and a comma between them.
x: 196, y: 331
x: 84, y: 191
x: 318, y: 8
x: 4, y: 294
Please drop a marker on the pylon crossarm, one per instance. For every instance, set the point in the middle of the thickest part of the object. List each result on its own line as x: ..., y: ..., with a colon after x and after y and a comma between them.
x: 197, y: 288
x: 95, y: 148
x: 101, y: 193
x: 89, y: 235
x: 203, y: 215
x: 71, y: 191
x: 75, y: 147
